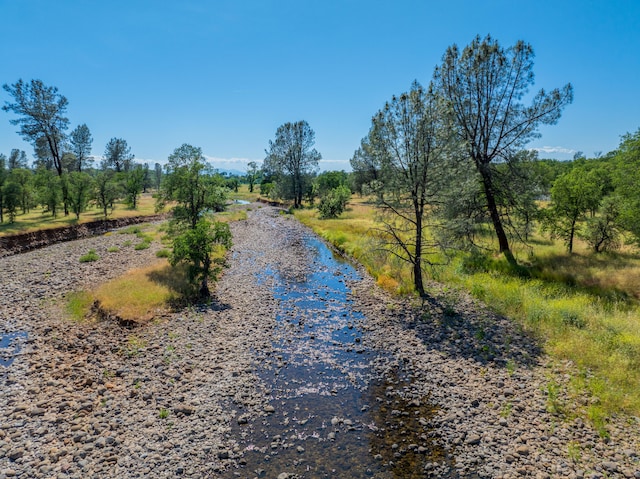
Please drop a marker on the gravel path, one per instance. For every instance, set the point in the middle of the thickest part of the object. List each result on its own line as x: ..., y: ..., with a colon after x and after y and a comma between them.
x: 96, y: 400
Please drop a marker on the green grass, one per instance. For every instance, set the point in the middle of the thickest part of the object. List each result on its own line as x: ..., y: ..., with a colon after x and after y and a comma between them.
x: 581, y: 307
x: 90, y: 256
x: 78, y: 304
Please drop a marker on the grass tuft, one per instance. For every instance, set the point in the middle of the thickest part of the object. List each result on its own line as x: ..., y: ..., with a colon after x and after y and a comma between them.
x: 78, y: 305
x: 90, y: 256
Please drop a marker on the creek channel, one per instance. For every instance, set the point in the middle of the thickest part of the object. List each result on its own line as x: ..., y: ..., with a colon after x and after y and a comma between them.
x: 333, y: 412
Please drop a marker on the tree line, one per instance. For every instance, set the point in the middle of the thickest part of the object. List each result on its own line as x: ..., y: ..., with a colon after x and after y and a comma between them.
x: 447, y: 161
x: 63, y: 177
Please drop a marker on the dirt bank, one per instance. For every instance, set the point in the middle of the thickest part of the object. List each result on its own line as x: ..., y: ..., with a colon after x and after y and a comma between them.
x: 20, y: 243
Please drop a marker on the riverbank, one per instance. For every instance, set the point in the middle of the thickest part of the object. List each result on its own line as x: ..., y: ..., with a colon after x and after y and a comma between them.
x: 93, y: 399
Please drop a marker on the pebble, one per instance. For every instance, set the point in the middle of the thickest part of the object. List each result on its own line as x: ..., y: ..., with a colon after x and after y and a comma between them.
x: 192, y: 364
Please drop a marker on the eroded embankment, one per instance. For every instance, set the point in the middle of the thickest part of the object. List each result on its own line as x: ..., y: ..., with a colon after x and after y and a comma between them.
x: 19, y: 243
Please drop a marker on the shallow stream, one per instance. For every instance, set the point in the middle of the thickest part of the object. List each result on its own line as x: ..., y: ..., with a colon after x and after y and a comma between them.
x: 331, y: 414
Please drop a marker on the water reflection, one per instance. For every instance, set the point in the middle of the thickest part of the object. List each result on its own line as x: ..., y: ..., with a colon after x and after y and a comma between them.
x: 332, y: 414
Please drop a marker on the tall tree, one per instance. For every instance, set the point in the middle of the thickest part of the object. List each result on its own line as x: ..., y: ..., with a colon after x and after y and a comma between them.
x: 40, y: 111
x: 485, y: 84
x: 80, y: 141
x: 292, y: 156
x: 157, y: 176
x: 411, y: 137
x: 117, y: 155
x: 17, y: 159
x: 252, y: 174
x: 190, y: 182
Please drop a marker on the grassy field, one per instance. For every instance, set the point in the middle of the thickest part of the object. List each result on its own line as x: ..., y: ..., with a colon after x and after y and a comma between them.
x: 37, y: 220
x: 583, y: 307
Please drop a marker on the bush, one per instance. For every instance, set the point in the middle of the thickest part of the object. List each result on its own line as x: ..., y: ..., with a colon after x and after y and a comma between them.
x: 163, y: 253
x: 90, y: 256
x: 143, y: 245
x: 334, y: 202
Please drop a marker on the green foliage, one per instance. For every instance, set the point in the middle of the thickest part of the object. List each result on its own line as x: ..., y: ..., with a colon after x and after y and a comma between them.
x: 80, y: 186
x: 49, y: 190
x: 133, y: 184
x: 253, y: 174
x: 602, y: 232
x: 113, y: 249
x: 90, y: 256
x: 483, y: 85
x: 163, y: 253
x: 572, y: 195
x: 266, y: 189
x: 626, y: 178
x: 117, y: 155
x: 194, y: 247
x: 192, y: 184
x: 80, y: 141
x: 333, y: 202
x: 40, y: 111
x: 106, y: 191
x: 142, y: 245
x: 291, y: 159
x: 411, y: 138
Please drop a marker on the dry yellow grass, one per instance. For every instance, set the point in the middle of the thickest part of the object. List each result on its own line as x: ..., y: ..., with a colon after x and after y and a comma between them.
x: 37, y: 220
x: 140, y: 293
x: 583, y: 307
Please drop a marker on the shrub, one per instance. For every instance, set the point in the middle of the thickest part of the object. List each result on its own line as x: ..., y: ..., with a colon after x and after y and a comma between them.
x: 163, y: 253
x: 90, y: 256
x: 143, y: 245
x: 334, y: 202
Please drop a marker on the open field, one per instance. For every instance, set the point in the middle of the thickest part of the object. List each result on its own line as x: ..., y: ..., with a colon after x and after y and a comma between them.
x: 582, y: 307
x: 37, y: 220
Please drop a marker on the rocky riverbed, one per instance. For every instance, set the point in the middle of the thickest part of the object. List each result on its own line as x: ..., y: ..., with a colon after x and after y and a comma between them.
x: 181, y: 395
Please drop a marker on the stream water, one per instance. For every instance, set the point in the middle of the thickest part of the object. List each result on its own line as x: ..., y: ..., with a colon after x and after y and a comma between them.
x: 331, y: 414
x: 10, y: 346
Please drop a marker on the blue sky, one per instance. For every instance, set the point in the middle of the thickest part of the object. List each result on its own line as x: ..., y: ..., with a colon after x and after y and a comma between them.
x: 223, y: 75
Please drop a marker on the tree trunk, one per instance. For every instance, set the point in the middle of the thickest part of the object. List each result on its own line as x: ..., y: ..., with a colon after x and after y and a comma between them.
x: 573, y: 230
x: 503, y: 241
x: 204, y: 286
x: 417, y: 262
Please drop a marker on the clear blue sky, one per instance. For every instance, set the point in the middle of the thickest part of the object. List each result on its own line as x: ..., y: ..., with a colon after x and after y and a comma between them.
x: 223, y: 75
